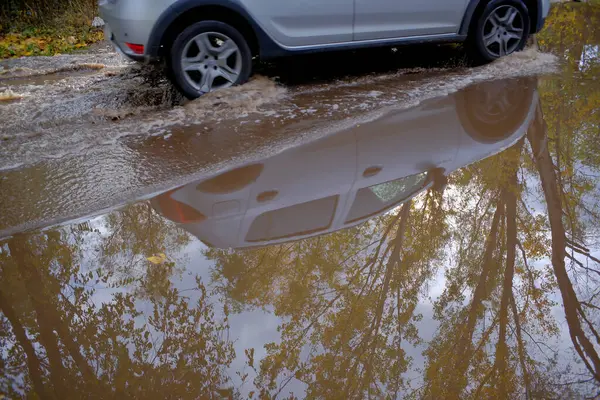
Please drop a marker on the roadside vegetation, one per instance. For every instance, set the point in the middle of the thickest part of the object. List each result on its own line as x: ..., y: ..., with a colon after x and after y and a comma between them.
x: 46, y: 27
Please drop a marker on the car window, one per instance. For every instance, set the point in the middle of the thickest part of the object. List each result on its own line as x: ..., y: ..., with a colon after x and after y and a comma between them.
x: 375, y: 199
x: 297, y: 220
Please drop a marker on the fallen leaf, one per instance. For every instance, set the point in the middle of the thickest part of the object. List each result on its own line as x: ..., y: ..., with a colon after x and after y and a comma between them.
x: 157, y: 259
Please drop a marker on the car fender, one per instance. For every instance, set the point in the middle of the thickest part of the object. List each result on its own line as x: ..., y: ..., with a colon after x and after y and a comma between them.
x: 472, y: 6
x: 267, y: 46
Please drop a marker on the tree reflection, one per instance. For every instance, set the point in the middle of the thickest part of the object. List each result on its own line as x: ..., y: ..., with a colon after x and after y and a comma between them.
x: 134, y: 234
x: 460, y: 360
x: 509, y: 246
x: 348, y: 301
x: 480, y: 350
x: 578, y: 313
x: 60, y: 341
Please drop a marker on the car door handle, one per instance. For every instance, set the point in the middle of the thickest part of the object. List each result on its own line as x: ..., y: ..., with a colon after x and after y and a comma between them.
x: 267, y: 196
x: 371, y: 171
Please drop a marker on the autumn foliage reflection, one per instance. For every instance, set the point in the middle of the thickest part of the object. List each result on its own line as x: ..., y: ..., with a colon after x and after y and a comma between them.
x: 489, y: 289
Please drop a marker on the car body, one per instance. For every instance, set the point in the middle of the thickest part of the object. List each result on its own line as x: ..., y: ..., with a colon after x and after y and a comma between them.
x: 282, y: 28
x: 147, y: 30
x: 347, y: 178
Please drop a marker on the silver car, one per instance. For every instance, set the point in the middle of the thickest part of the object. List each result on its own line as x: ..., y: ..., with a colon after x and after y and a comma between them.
x: 210, y: 44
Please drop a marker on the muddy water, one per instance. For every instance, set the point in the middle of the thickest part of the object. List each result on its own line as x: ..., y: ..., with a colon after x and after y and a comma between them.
x: 422, y: 233
x: 215, y: 132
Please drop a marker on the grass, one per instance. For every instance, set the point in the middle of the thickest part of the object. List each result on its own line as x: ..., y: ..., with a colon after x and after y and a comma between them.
x: 46, y: 41
x: 69, y: 31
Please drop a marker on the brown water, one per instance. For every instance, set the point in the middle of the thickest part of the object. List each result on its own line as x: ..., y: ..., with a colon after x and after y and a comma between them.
x: 430, y: 246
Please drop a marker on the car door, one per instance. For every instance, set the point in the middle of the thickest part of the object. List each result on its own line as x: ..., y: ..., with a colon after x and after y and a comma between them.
x: 304, y: 22
x: 397, y: 153
x: 408, y: 142
x: 385, y: 19
x: 301, y: 190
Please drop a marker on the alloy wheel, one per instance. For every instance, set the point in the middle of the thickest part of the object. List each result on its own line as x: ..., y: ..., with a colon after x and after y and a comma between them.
x: 503, y: 30
x: 211, y: 61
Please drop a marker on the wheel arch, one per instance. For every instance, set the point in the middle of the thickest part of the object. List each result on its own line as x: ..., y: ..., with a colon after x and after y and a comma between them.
x: 185, y: 12
x: 495, y: 131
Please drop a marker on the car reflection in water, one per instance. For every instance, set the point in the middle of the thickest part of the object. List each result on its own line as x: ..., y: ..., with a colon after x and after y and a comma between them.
x: 345, y: 179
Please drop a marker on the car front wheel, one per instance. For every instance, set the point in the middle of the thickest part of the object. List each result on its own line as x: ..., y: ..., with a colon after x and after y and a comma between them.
x: 208, y: 56
x: 502, y: 28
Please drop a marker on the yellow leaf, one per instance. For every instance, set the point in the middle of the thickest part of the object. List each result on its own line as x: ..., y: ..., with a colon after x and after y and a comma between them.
x: 157, y: 259
x: 78, y: 45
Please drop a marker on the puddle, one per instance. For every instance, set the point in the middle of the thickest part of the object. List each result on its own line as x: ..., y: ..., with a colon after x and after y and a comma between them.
x: 389, y: 244
x: 39, y: 80
x: 74, y: 126
x: 63, y: 63
x: 199, y: 150
x: 404, y: 235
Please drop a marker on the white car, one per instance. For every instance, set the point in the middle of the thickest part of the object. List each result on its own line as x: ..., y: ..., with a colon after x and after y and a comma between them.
x: 347, y: 178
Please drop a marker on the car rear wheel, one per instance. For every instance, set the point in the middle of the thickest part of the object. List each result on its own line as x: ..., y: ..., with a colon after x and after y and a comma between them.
x: 502, y: 28
x: 492, y: 111
x: 208, y: 56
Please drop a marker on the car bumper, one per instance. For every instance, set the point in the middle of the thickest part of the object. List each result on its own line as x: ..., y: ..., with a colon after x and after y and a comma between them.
x: 122, y: 48
x: 122, y: 26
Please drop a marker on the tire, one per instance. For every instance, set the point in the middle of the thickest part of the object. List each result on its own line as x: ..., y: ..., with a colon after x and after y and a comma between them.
x: 489, y: 26
x: 213, y: 52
